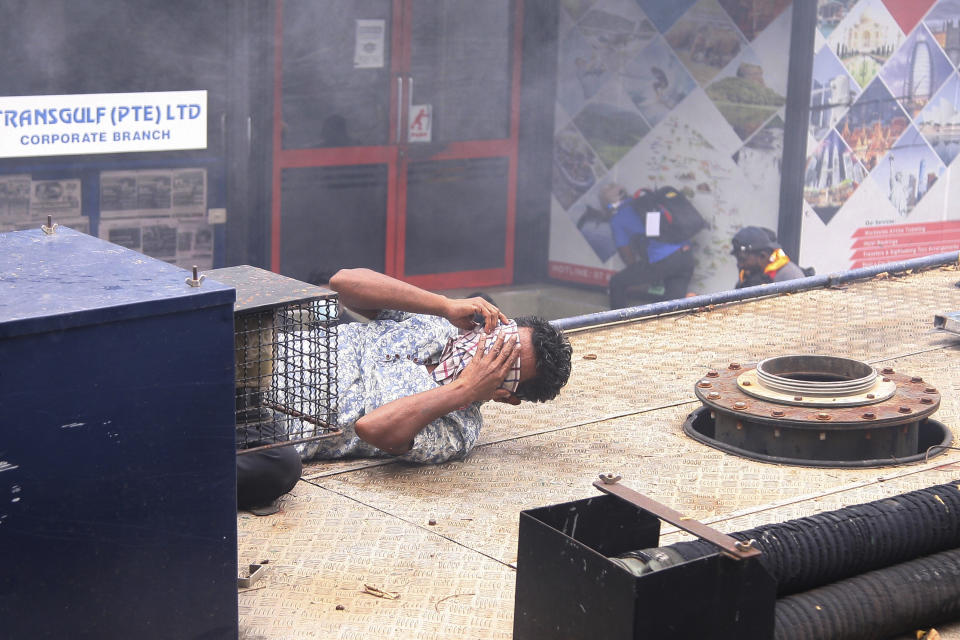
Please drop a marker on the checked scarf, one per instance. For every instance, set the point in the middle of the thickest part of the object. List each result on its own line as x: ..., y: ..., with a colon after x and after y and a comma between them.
x: 460, y: 351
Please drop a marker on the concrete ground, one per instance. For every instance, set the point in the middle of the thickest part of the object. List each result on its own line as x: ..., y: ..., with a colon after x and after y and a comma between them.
x: 379, y: 549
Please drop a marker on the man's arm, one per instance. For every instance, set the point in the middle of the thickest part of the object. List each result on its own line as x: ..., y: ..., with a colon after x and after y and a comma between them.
x: 624, y: 225
x: 393, y: 426
x: 367, y: 292
x: 627, y: 254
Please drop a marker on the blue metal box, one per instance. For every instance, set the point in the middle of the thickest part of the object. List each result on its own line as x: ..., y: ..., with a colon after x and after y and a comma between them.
x: 117, y: 455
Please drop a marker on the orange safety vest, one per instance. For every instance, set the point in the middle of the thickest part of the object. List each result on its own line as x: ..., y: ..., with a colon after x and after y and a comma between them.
x: 778, y: 260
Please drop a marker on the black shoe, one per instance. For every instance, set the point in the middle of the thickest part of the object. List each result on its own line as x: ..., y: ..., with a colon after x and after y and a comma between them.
x: 267, y: 509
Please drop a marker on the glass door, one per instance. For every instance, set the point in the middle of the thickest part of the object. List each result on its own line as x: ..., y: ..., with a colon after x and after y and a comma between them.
x: 334, y: 138
x: 455, y: 222
x: 395, y: 138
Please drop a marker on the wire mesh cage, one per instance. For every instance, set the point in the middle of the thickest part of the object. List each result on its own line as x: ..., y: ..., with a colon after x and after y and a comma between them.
x: 285, y: 346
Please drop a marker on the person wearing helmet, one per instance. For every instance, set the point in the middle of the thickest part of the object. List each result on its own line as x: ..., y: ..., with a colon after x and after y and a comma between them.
x: 761, y: 259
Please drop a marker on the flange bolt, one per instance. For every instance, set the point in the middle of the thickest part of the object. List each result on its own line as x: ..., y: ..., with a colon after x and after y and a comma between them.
x: 744, y: 545
x: 610, y: 478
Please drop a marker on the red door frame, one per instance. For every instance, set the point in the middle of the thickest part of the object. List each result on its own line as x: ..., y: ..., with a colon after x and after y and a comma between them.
x: 395, y: 157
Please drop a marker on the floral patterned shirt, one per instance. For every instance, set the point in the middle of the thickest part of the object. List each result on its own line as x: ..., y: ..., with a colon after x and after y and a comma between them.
x: 382, y: 361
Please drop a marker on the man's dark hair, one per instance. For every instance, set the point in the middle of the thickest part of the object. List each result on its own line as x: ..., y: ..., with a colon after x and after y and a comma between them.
x: 321, y: 277
x: 553, y: 352
x: 481, y: 294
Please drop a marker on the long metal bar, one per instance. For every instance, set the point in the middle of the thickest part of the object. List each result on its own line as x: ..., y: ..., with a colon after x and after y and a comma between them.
x: 299, y: 414
x: 730, y: 546
x: 736, y: 295
x: 277, y: 445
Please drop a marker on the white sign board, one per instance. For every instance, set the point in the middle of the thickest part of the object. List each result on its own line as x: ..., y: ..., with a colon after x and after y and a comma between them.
x: 653, y: 224
x: 421, y: 123
x: 368, y: 51
x: 102, y: 123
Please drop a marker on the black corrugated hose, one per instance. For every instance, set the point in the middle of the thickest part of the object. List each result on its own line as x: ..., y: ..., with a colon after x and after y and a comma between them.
x: 809, y: 552
x: 879, y: 604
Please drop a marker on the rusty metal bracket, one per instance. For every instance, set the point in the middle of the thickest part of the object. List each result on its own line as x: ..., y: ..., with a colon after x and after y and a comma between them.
x: 728, y: 546
x: 947, y: 321
x: 254, y: 573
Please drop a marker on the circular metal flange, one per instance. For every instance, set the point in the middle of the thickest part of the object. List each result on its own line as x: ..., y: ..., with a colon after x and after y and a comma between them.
x: 887, y: 429
x: 815, y: 375
x: 880, y: 389
x: 912, y: 400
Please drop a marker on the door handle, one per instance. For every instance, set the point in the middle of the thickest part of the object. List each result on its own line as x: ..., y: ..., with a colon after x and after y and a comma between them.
x: 399, y: 107
x: 406, y: 125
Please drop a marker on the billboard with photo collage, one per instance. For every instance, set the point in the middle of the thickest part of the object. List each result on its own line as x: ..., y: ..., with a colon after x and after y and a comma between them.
x: 884, y: 133
x: 686, y: 93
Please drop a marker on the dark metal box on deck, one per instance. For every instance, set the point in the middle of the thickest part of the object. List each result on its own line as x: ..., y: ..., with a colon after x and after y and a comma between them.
x: 117, y: 457
x: 568, y: 588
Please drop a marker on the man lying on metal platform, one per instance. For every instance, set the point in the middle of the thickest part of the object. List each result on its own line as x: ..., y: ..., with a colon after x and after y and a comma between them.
x: 410, y: 382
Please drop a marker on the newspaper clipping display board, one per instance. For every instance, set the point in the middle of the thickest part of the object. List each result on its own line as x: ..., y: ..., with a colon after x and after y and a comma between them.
x: 161, y: 213
x: 25, y: 203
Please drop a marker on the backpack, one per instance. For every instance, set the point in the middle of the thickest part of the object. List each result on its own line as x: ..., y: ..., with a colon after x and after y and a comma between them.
x: 679, y: 219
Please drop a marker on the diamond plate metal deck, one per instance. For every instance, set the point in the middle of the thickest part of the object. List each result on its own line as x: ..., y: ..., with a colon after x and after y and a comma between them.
x: 357, y: 522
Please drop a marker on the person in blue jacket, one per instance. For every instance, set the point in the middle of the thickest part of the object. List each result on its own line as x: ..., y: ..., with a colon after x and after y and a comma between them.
x: 648, y: 260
